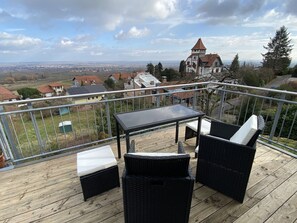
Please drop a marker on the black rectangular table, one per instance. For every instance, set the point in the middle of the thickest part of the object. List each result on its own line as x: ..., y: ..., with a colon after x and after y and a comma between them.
x: 143, y: 119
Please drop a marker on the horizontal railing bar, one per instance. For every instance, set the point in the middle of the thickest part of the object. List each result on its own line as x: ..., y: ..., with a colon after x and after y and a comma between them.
x: 260, y: 96
x: 146, y: 89
x: 94, y: 103
x: 101, y: 93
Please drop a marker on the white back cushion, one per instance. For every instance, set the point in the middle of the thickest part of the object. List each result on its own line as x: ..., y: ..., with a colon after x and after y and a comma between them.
x: 246, y: 132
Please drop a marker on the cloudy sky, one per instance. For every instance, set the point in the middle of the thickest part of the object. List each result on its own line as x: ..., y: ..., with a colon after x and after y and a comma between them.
x: 140, y: 30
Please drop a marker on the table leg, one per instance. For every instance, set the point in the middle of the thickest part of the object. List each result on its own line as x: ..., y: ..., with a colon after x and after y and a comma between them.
x: 176, y: 132
x: 118, y: 140
x: 198, y: 130
x: 128, y: 141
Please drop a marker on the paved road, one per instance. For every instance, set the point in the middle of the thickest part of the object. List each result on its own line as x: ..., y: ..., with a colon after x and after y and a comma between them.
x: 276, y: 82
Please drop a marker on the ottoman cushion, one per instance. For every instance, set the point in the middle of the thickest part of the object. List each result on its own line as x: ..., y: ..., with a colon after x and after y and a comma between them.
x: 205, y: 126
x: 94, y: 160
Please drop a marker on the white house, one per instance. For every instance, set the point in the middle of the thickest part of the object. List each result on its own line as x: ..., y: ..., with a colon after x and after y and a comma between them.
x: 201, y: 63
x: 141, y: 80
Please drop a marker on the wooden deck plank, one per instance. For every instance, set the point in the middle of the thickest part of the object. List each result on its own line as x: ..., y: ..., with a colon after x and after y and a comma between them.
x: 287, y: 212
x: 269, y: 204
x: 50, y: 191
x: 233, y: 210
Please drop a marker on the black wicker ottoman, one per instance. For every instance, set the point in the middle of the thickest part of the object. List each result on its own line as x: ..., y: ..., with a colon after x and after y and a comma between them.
x: 98, y: 171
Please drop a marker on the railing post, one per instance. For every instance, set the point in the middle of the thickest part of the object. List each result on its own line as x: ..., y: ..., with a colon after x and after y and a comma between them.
x: 5, y: 145
x: 35, y: 126
x: 7, y: 133
x: 158, y: 98
x: 108, y: 119
x: 221, y: 108
x: 277, y: 116
x: 195, y: 98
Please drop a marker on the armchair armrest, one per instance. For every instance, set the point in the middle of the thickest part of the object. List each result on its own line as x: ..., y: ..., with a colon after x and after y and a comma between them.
x: 222, y: 152
x: 223, y: 130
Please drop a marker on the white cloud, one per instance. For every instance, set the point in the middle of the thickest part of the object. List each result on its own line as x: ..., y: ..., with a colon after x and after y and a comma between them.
x: 164, y: 8
x: 182, y: 41
x: 75, y: 19
x: 17, y: 42
x: 273, y: 19
x: 98, y: 14
x: 248, y: 47
x: 137, y: 33
x: 132, y: 33
x: 96, y: 53
x: 113, y: 23
x: 66, y: 42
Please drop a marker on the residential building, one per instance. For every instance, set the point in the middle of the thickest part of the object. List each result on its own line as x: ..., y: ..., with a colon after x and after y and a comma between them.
x: 89, y: 89
x: 52, y: 89
x: 121, y: 76
x: 7, y: 95
x: 57, y: 87
x: 201, y: 63
x: 86, y: 80
x: 141, y: 80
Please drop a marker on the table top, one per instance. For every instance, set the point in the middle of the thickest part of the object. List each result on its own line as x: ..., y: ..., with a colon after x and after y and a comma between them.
x: 136, y: 120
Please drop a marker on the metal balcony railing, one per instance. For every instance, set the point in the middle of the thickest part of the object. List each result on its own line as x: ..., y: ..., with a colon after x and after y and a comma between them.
x: 33, y: 129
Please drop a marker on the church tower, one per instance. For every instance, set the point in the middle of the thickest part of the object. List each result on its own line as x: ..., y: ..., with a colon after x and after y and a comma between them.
x: 199, y: 49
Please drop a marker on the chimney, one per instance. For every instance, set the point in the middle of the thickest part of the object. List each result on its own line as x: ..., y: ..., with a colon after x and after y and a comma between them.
x: 164, y: 79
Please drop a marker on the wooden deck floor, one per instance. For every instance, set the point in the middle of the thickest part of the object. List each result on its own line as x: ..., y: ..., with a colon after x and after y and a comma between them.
x: 50, y: 191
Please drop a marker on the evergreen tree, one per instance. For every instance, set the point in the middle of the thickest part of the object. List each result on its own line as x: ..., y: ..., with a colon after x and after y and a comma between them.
x: 158, y: 70
x: 150, y: 68
x: 109, y: 83
x: 182, y: 68
x: 171, y: 74
x: 160, y: 67
x: 279, y: 49
x: 235, y: 64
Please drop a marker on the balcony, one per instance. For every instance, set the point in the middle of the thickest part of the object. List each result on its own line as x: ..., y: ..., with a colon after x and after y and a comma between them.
x: 43, y: 186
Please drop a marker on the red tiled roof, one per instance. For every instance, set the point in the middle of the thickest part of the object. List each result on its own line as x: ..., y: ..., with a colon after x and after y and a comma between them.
x: 88, y: 79
x: 45, y: 89
x: 209, y: 59
x: 6, y: 94
x: 124, y: 76
x: 56, y: 84
x: 199, y: 45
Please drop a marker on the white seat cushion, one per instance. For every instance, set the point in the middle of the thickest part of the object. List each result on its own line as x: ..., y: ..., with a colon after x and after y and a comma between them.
x: 205, y: 126
x: 93, y: 160
x: 246, y: 131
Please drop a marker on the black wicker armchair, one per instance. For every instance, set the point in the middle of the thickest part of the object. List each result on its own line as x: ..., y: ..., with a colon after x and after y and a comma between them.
x: 224, y: 165
x: 157, y: 188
